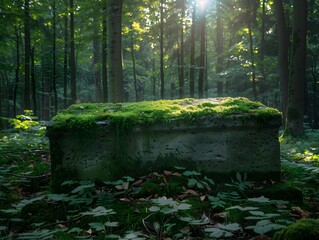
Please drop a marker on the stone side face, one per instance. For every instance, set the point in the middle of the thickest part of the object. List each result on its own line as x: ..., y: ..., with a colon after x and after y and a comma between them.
x: 216, y: 148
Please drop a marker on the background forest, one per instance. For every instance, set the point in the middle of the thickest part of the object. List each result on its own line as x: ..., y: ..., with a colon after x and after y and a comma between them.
x: 57, y: 52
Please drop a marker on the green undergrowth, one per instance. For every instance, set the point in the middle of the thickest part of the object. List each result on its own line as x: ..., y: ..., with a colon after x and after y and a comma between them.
x: 123, y: 115
x: 174, y: 204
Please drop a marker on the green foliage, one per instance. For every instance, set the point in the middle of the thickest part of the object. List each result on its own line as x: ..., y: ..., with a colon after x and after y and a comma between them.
x: 173, y: 204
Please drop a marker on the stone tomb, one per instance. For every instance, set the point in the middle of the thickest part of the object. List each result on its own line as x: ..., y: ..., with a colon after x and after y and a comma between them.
x: 216, y: 136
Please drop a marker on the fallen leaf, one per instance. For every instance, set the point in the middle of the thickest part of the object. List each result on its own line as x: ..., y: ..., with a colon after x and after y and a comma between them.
x: 300, y: 212
x: 192, y: 192
x: 137, y: 183
x: 220, y: 216
x: 168, y: 173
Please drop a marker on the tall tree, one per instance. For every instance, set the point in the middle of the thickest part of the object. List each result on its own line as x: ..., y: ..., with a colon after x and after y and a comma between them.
x: 202, y: 57
x: 161, y: 39
x: 17, y: 73
x: 72, y: 55
x: 96, y: 62
x: 115, y: 70
x: 295, y: 113
x: 181, y: 52
x: 65, y: 59
x: 54, y: 74
x: 283, y: 48
x: 27, y: 55
x: 219, y: 48
x: 192, y: 56
x: 104, y: 54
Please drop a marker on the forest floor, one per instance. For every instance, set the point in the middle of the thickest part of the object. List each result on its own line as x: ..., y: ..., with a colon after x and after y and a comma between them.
x: 174, y: 204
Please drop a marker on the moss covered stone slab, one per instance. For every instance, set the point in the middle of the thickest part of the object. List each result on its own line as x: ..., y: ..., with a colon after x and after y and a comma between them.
x: 218, y: 136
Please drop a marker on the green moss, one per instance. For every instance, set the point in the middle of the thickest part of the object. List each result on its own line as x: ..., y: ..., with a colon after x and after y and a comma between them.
x: 126, y: 115
x: 305, y: 229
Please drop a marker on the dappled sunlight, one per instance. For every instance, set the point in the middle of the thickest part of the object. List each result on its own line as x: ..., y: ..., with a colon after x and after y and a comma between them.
x: 305, y: 149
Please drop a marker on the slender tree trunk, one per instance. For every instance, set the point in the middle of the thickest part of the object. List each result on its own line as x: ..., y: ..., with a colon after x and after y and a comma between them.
x: 162, y: 49
x: 104, y: 56
x: 295, y: 113
x: 154, y: 79
x: 252, y: 59
x: 72, y: 55
x: 96, y: 63
x: 1, y: 107
x: 134, y: 67
x: 33, y: 84
x: 202, y: 56
x: 27, y: 55
x: 192, y: 56
x: 262, y: 48
x: 54, y: 87
x: 219, y: 49
x: 181, y: 54
x: 115, y: 70
x: 65, y: 61
x: 283, y: 46
x: 17, y: 74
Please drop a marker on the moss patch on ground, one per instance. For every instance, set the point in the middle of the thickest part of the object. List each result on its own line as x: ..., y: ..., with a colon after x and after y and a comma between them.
x: 86, y: 115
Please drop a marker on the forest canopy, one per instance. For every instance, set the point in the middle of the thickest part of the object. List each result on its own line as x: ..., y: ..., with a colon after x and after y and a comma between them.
x: 54, y: 53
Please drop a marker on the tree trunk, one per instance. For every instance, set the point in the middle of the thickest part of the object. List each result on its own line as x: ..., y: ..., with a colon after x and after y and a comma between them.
x: 162, y: 49
x: 96, y: 63
x: 295, y: 113
x: 181, y: 54
x: 17, y: 74
x: 65, y: 61
x: 54, y: 88
x: 134, y: 67
x: 219, y: 49
x: 1, y: 107
x: 27, y: 55
x: 262, y: 85
x: 154, y: 79
x: 283, y: 46
x: 33, y: 84
x: 72, y: 55
x: 202, y: 56
x: 115, y: 70
x: 192, y: 56
x: 252, y: 59
x: 104, y: 56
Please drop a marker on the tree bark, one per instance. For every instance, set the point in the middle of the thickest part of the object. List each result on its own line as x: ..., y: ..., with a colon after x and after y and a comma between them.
x: 33, y: 84
x: 134, y: 67
x: 162, y: 49
x: 96, y: 63
x: 252, y: 59
x: 219, y: 49
x: 104, y: 56
x: 65, y: 61
x: 295, y: 113
x: 181, y: 54
x: 202, y: 56
x: 72, y: 55
x: 115, y: 70
x: 27, y: 55
x: 17, y: 74
x: 283, y: 46
x: 192, y: 56
x: 54, y: 87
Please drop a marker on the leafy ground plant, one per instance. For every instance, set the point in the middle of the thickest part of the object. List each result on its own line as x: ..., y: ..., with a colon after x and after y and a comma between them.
x: 180, y: 204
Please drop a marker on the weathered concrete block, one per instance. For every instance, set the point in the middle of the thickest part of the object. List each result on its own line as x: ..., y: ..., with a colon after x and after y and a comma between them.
x: 216, y: 136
